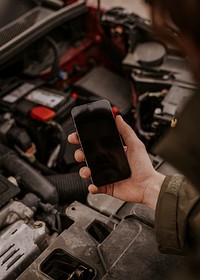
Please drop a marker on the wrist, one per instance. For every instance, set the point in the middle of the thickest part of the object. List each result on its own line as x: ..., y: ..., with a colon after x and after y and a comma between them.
x: 152, y: 190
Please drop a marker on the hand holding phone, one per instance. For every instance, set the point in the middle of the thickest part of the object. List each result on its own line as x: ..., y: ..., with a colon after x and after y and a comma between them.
x: 101, y: 142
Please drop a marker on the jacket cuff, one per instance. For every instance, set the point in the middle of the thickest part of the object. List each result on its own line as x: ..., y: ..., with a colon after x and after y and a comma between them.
x: 166, y: 215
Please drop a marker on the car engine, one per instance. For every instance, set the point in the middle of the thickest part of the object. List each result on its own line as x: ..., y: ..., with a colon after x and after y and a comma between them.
x: 54, y: 55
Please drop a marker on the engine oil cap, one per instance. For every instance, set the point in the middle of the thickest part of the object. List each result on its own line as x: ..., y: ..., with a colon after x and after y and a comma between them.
x: 150, y: 54
x: 42, y: 113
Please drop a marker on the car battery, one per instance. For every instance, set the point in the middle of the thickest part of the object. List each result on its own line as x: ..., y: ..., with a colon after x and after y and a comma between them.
x: 40, y: 111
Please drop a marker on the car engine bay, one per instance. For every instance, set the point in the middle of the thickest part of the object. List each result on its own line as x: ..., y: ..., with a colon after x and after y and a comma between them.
x: 55, y: 55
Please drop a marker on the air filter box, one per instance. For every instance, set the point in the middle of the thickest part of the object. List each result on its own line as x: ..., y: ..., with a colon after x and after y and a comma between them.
x: 101, y: 83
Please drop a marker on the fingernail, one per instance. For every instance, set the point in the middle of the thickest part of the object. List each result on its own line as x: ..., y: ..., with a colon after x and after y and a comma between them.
x: 119, y: 116
x: 82, y: 173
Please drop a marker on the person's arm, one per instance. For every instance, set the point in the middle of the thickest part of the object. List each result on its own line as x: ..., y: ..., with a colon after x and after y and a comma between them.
x: 177, y: 217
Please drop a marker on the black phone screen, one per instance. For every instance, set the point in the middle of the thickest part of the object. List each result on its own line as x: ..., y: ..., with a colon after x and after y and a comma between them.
x: 101, y: 142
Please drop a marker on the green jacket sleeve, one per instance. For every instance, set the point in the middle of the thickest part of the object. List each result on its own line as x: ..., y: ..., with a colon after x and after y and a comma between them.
x: 177, y: 217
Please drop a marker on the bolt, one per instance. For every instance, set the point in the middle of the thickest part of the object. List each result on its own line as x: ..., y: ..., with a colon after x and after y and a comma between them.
x: 37, y: 224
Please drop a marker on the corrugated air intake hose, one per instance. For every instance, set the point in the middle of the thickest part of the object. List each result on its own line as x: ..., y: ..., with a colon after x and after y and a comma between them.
x: 70, y: 187
x: 30, y: 179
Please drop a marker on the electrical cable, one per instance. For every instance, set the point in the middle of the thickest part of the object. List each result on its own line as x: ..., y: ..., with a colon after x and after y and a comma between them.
x: 62, y: 144
x: 99, y: 9
x: 55, y: 64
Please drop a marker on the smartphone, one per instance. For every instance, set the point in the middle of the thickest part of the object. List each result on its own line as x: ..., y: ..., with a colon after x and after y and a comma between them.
x: 101, y: 142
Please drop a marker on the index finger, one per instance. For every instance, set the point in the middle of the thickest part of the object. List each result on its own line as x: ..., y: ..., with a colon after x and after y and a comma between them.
x: 73, y: 138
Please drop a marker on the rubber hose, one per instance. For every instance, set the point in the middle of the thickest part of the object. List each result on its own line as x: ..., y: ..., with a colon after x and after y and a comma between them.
x: 31, y: 180
x: 45, y: 170
x: 70, y: 187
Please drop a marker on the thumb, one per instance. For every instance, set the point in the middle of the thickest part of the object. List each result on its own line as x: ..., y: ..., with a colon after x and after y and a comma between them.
x: 126, y: 131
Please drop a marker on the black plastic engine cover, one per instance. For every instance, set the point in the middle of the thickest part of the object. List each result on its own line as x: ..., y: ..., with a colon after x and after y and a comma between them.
x: 102, y: 83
